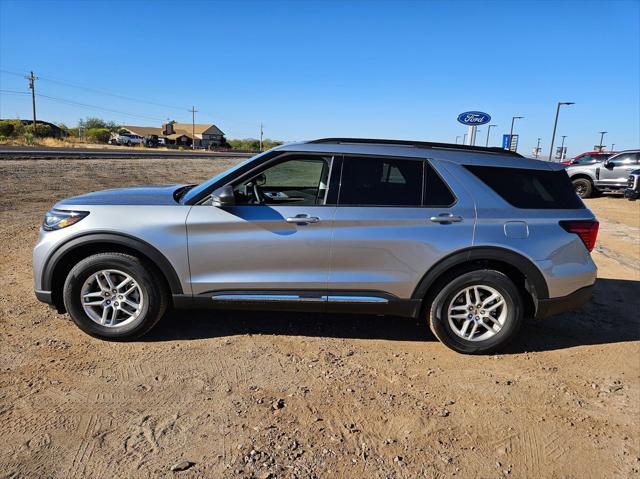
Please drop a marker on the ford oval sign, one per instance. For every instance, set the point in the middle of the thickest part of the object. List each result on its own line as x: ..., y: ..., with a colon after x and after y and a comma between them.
x: 473, y: 118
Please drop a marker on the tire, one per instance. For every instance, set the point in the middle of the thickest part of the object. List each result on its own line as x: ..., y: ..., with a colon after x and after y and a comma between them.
x: 148, y: 293
x: 583, y: 187
x: 508, y: 320
x: 128, y: 143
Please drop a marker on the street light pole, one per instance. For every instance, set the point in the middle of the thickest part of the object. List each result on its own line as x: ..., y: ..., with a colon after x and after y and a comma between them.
x: 555, y: 125
x: 488, y: 131
x: 612, y: 145
x: 511, y: 132
x: 602, y: 138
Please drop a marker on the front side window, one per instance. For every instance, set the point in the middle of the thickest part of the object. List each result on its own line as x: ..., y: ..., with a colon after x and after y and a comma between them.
x: 294, y: 181
x: 381, y: 182
x: 625, y: 159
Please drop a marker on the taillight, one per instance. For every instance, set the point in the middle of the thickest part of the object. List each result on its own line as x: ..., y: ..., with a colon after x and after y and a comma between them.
x: 587, y: 230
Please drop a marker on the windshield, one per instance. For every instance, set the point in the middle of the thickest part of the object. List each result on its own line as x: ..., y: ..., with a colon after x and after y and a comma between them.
x: 196, y: 191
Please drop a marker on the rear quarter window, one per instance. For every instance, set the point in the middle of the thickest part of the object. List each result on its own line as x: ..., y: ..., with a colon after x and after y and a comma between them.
x: 528, y: 188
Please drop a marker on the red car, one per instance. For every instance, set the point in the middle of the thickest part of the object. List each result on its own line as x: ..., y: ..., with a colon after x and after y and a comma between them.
x: 588, y: 158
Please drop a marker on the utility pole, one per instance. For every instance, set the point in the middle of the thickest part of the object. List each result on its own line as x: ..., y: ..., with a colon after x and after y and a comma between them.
x: 555, y: 126
x: 193, y: 127
x: 488, y: 131
x: 261, y: 134
x: 32, y: 86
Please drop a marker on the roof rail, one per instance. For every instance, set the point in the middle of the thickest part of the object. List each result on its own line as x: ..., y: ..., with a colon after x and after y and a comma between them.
x: 419, y: 144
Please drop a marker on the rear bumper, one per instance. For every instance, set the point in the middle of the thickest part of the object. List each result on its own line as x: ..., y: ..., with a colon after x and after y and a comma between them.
x: 552, y: 306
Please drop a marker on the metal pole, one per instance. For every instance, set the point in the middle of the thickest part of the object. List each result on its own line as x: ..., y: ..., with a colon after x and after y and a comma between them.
x: 538, y: 148
x: 555, y: 126
x: 612, y: 145
x: 457, y: 139
x: 513, y: 119
x: 464, y: 139
x: 488, y: 131
x: 562, y: 148
x: 32, y: 86
x: 261, y: 132
x: 193, y: 127
x: 601, y: 138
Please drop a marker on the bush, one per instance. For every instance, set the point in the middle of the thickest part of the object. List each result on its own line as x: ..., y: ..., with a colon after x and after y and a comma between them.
x: 28, y: 137
x: 252, y: 144
x: 41, y: 131
x: 97, y: 135
x: 6, y: 127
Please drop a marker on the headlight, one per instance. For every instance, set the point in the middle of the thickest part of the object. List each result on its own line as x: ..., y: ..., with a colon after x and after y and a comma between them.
x: 58, y: 219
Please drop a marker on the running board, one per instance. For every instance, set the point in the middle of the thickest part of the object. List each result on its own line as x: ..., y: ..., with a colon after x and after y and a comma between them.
x: 298, y: 298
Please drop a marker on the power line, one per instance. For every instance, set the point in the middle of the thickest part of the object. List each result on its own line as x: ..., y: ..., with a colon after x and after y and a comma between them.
x: 100, y: 91
x: 86, y: 105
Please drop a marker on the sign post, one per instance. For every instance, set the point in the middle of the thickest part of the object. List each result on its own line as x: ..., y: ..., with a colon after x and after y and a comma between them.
x: 510, y: 142
x: 472, y: 119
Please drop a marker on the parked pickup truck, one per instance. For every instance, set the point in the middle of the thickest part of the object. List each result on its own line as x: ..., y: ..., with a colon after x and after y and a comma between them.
x: 633, y: 186
x: 608, y: 175
x: 128, y: 139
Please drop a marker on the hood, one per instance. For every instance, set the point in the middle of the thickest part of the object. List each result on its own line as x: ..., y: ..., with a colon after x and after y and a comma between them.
x: 138, y: 195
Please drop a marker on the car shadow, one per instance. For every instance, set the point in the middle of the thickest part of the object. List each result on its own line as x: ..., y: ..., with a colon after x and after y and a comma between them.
x: 610, y: 317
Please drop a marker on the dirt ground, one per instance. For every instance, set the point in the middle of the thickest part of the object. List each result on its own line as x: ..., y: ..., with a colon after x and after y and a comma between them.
x: 301, y: 395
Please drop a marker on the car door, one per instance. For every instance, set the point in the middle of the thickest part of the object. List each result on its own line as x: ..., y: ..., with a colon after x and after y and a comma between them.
x: 273, y: 244
x: 615, y: 171
x: 396, y: 217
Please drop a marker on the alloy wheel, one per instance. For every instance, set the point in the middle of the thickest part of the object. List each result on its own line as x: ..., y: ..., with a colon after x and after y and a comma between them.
x: 477, y: 313
x: 111, y: 298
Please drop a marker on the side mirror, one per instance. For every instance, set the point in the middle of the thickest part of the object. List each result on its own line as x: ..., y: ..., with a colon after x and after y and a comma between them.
x: 223, y: 196
x: 607, y: 164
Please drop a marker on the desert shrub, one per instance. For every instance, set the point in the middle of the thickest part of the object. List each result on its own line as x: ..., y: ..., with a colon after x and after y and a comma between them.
x: 27, y: 136
x: 6, y: 128
x: 252, y: 144
x: 97, y: 135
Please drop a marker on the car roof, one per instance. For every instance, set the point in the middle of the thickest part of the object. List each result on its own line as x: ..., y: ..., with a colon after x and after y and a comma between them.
x: 458, y: 154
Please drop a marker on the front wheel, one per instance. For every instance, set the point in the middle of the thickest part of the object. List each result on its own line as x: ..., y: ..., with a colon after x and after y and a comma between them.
x: 114, y: 296
x: 583, y: 187
x: 477, y: 312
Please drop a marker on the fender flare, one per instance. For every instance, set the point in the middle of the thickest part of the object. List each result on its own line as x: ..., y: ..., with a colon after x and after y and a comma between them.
x: 144, y: 248
x: 531, y: 271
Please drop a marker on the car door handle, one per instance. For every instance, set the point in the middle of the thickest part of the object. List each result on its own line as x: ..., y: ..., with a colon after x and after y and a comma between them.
x: 303, y: 219
x: 446, y: 218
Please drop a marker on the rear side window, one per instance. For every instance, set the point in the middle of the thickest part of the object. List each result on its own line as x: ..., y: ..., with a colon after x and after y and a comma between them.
x: 530, y: 189
x: 381, y: 182
x: 436, y: 192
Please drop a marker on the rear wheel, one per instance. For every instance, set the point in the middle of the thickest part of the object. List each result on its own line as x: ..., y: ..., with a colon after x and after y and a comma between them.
x: 114, y: 296
x: 583, y: 187
x: 477, y: 312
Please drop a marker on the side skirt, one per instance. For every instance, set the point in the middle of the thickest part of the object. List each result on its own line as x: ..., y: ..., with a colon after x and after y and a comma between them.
x: 350, y: 302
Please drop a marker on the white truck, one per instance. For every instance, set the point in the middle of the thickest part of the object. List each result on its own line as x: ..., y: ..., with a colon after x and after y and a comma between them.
x: 128, y: 139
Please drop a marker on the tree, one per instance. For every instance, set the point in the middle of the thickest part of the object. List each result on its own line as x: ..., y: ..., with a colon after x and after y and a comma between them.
x: 93, y: 122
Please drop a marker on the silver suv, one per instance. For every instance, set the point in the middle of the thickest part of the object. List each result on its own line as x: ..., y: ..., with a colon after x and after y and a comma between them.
x: 608, y: 175
x: 472, y: 239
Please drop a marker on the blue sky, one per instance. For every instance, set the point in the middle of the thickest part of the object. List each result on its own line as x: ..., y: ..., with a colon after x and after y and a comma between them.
x: 313, y: 69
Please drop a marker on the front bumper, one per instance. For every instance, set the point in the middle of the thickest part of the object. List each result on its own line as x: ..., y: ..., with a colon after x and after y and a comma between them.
x: 570, y: 302
x: 631, y: 194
